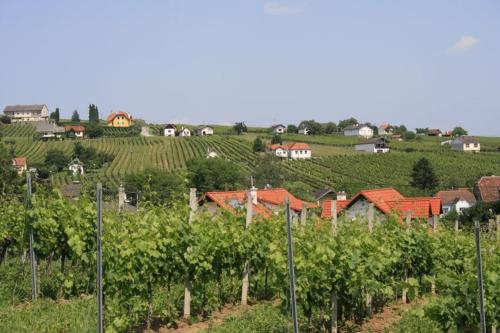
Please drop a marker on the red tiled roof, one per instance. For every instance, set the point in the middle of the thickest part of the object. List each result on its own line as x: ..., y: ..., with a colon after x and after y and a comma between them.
x: 74, y: 128
x: 488, y: 188
x: 379, y: 197
x: 326, y: 211
x: 272, y: 196
x: 451, y: 196
x: 418, y: 207
x: 19, y: 161
x: 291, y: 146
x: 120, y: 113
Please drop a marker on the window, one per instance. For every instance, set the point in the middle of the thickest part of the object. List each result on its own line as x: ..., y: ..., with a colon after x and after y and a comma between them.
x: 466, y: 145
x: 446, y: 210
x: 461, y: 209
x: 476, y: 145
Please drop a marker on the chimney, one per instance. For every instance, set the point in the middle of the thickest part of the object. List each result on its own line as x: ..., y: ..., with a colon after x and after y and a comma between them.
x: 341, y: 195
x: 253, y: 194
x: 122, y: 196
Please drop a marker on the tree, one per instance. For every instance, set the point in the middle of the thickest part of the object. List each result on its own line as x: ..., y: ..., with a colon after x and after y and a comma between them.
x: 410, y: 135
x: 421, y: 130
x: 300, y: 189
x: 5, y: 119
x: 291, y: 129
x: 214, y: 174
x: 94, y: 131
x: 56, y: 160
x: 330, y: 128
x: 346, y: 122
x: 93, y: 114
x: 258, y: 145
x: 277, y: 139
x: 401, y: 130
x: 7, y: 173
x: 240, y: 128
x: 457, y: 131
x: 55, y: 115
x: 270, y: 171
x: 75, y: 117
x: 315, y: 128
x: 423, y: 176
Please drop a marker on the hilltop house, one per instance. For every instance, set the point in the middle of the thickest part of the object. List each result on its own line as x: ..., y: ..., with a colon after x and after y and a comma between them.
x: 294, y: 151
x: 488, y: 189
x: 265, y: 202
x: 169, y: 130
x: 204, y: 130
x: 456, y: 200
x: 304, y: 130
x: 466, y: 144
x: 385, y: 201
x: 278, y: 129
x: 385, y: 129
x: 27, y: 113
x: 434, y: 132
x: 48, y: 130
x: 77, y: 131
x: 119, y: 119
x: 184, y: 132
x: 374, y: 145
x: 362, y: 130
x: 20, y: 164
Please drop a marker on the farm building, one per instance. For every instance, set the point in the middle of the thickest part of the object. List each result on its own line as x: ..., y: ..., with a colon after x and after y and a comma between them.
x: 362, y: 130
x: 169, y: 130
x: 488, y: 189
x: 48, y: 130
x: 20, y: 164
x: 184, y: 132
x: 278, y: 129
x: 266, y: 202
x: 434, y: 132
x: 294, y: 151
x: 466, y: 144
x: 456, y: 200
x: 27, y: 113
x: 324, y: 194
x: 374, y: 145
x: 385, y: 201
x: 211, y: 153
x: 385, y: 129
x: 304, y: 130
x: 76, y: 167
x: 119, y: 119
x: 77, y: 131
x: 204, y: 130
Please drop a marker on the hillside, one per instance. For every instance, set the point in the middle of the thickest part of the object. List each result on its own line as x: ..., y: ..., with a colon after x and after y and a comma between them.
x: 335, y: 164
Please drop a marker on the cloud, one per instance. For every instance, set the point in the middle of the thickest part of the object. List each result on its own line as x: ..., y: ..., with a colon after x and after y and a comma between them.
x: 464, y: 43
x: 276, y: 9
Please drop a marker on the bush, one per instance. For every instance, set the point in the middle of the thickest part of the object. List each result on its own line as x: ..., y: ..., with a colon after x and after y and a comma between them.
x: 415, y: 322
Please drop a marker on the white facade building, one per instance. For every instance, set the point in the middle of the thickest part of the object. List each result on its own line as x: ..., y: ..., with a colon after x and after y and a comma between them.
x: 364, y: 131
x: 456, y: 200
x: 278, y: 129
x: 184, y: 132
x: 204, y: 130
x: 27, y: 113
x: 466, y: 143
x: 377, y: 145
x: 169, y: 130
x: 295, y: 151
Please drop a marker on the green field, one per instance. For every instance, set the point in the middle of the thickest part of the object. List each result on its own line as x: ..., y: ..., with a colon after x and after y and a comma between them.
x: 335, y: 165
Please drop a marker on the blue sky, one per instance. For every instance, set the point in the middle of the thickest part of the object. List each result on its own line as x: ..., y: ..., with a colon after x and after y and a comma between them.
x: 418, y: 63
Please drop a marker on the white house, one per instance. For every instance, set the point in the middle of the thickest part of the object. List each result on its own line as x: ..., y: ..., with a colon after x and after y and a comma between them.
x: 211, y: 153
x: 374, y: 145
x: 169, y: 130
x: 294, y: 151
x: 77, y: 130
x: 362, y: 130
x: 278, y: 129
x: 20, y: 164
x: 76, y: 167
x: 48, y: 130
x: 27, y: 113
x: 204, y: 130
x: 385, y: 129
x: 184, y: 132
x: 456, y: 200
x: 304, y: 130
x: 466, y: 143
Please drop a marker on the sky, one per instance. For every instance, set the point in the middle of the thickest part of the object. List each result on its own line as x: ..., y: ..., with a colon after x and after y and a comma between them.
x: 418, y: 63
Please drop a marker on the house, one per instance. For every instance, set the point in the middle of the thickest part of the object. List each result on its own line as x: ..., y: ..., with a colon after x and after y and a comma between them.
x: 265, y: 202
x: 304, y: 130
x: 362, y: 130
x: 324, y: 194
x: 76, y: 167
x: 374, y: 145
x: 447, y: 133
x: 456, y: 200
x: 397, y: 137
x: 27, y: 113
x: 385, y: 201
x: 20, y: 164
x: 185, y: 132
x: 294, y: 151
x: 278, y: 129
x: 385, y: 129
x: 466, y: 144
x: 204, y: 131
x: 119, y: 119
x: 76, y: 131
x: 169, y: 130
x: 488, y: 189
x: 211, y: 153
x: 434, y: 132
x: 49, y: 130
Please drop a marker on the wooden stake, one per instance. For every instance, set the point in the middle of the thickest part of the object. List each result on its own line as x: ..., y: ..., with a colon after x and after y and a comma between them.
x: 187, y: 283
x: 371, y: 216
x: 303, y: 214
x: 408, y: 218
x: 333, y: 210
x: 246, y: 269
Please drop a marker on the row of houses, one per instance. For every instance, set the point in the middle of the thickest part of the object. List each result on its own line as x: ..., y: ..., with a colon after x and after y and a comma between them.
x: 172, y: 130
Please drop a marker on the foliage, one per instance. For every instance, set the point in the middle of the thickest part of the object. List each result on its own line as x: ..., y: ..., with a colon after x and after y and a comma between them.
x: 94, y: 131
x: 330, y: 128
x: 90, y: 157
x: 277, y: 139
x: 315, y: 128
x: 258, y: 145
x: 481, y: 211
x: 240, y: 128
x: 75, y: 117
x: 55, y: 115
x: 93, y: 114
x: 346, y: 122
x: 214, y: 174
x: 269, y: 170
x: 423, y: 176
x: 401, y: 129
x: 5, y: 119
x: 292, y: 128
x: 156, y: 186
x: 300, y: 189
x: 422, y: 130
x: 7, y: 174
x: 409, y: 135
x: 56, y: 160
x: 416, y: 322
x: 457, y: 131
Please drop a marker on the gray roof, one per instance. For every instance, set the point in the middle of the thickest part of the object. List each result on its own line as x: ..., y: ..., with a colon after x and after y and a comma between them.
x: 353, y: 127
x: 43, y: 127
x: 374, y: 141
x: 23, y: 108
x: 319, y: 194
x: 467, y: 139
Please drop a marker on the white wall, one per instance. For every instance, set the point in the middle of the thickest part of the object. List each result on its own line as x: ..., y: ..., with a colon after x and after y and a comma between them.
x: 169, y: 132
x: 300, y: 154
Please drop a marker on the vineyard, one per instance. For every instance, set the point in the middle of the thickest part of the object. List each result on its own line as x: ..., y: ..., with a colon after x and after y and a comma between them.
x: 148, y: 257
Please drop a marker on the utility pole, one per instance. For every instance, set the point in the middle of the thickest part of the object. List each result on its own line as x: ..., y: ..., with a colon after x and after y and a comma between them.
x: 291, y: 269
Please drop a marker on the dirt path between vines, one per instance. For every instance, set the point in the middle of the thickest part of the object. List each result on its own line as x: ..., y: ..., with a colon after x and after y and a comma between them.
x: 389, y: 315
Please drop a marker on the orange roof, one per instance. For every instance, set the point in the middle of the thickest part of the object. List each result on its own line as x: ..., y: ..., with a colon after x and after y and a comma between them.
x: 326, y: 211
x: 19, y: 161
x: 379, y: 197
x: 74, y: 128
x: 291, y: 146
x: 418, y: 207
x: 113, y: 115
x: 229, y: 199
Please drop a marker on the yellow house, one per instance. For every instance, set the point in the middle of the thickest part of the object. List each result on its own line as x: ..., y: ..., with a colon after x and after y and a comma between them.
x: 119, y: 119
